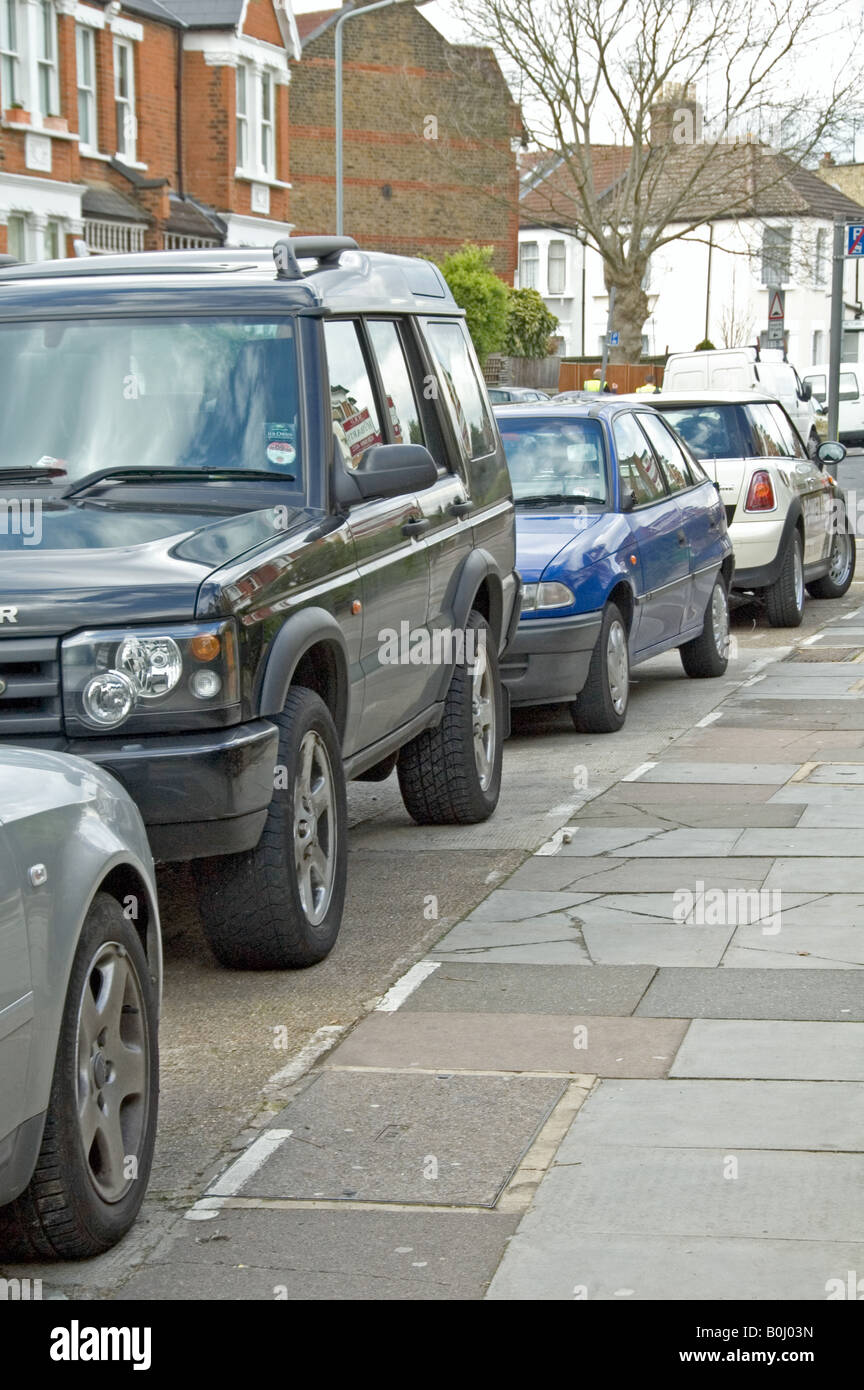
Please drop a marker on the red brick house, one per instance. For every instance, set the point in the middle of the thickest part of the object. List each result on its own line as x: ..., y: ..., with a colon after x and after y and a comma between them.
x: 149, y: 124
x: 430, y: 134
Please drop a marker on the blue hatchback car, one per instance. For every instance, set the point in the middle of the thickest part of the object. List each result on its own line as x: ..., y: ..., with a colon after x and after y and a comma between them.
x: 623, y: 551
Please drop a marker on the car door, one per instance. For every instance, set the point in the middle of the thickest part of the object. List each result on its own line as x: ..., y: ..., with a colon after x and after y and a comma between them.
x: 658, y: 532
x: 702, y: 514
x: 16, y: 997
x: 778, y: 437
x: 391, y: 560
x: 445, y: 530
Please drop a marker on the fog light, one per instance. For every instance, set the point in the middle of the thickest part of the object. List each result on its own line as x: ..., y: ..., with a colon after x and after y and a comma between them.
x: 108, y: 699
x: 205, y: 684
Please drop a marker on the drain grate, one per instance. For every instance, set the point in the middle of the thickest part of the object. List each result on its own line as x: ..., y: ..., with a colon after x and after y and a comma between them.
x: 840, y: 654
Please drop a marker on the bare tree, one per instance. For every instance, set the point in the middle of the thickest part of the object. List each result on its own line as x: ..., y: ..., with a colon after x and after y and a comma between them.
x: 633, y: 68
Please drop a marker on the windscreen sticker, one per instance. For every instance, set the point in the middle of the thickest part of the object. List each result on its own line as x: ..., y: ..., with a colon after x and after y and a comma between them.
x: 280, y: 445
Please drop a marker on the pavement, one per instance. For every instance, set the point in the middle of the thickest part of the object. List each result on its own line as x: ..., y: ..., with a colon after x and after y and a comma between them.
x: 619, y: 1054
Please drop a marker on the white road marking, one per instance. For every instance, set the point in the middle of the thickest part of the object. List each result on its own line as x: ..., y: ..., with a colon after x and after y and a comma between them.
x: 638, y: 771
x: 321, y: 1041
x: 563, y: 835
x: 398, y: 993
x: 710, y: 719
x: 238, y: 1174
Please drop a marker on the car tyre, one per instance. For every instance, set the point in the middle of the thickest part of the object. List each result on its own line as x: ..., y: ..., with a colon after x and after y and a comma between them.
x: 784, y: 599
x: 100, y: 1130
x: 841, y: 568
x: 707, y: 655
x: 279, y: 906
x: 451, y: 775
x: 602, y: 706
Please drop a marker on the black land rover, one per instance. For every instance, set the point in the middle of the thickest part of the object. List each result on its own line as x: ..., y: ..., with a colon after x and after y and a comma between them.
x: 255, y: 530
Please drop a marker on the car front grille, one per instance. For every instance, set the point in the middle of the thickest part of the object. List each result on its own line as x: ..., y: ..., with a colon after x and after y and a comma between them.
x: 730, y: 514
x: 29, y: 686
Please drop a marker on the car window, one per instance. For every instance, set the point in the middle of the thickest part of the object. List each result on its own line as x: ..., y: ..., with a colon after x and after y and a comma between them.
x: 770, y: 439
x: 638, y: 471
x: 794, y: 447
x: 668, y: 450
x: 848, y: 386
x: 710, y: 431
x: 356, y: 423
x: 462, y: 389
x: 399, y: 395
x: 550, y: 457
x: 498, y: 397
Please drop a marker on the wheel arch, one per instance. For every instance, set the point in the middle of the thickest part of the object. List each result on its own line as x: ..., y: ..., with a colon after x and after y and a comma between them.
x: 308, y: 650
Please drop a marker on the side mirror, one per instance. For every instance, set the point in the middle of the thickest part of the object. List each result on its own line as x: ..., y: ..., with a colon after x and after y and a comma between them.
x: 806, y: 390
x: 628, y: 500
x: 831, y: 451
x: 386, y: 470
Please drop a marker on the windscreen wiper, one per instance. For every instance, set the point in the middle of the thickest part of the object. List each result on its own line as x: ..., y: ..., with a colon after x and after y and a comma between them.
x: 556, y: 499
x: 131, y: 473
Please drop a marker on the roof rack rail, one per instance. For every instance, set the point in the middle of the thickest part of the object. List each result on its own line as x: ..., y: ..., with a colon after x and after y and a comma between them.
x: 326, y: 250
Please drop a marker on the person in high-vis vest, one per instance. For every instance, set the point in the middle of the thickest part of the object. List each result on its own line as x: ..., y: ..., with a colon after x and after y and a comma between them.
x: 594, y: 381
x: 648, y: 385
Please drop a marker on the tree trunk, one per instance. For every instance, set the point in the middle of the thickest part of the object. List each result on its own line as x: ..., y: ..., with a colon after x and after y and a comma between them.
x: 631, y: 311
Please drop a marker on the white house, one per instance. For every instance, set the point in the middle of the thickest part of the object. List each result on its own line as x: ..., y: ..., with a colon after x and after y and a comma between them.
x: 711, y: 283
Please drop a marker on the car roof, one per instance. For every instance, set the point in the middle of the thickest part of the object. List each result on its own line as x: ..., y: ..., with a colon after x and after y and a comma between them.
x: 556, y: 410
x: 335, y: 273
x: 661, y: 398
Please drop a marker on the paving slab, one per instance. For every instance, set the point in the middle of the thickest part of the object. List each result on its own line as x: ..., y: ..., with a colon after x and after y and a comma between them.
x: 800, y: 1051
x: 511, y: 905
x: 550, y: 940
x: 665, y: 1192
x: 816, y: 944
x: 837, y: 774
x: 648, y: 875
x: 686, y: 844
x: 691, y: 906
x: 678, y: 795
x: 303, y: 1255
x: 549, y: 1262
x: 589, y: 842
x: 427, y: 1140
x: 560, y: 1043
x: 540, y: 989
x: 720, y: 773
x: 829, y: 995
x: 806, y: 875
x: 733, y: 1115
x: 717, y: 816
x: 835, y: 798
x: 644, y: 943
x: 804, y: 843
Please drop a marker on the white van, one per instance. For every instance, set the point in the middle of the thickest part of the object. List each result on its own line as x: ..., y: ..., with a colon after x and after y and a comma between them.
x: 739, y: 369
x: 850, y: 425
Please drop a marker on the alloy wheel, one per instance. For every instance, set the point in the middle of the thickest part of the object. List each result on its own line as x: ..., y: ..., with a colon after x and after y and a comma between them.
x: 314, y: 828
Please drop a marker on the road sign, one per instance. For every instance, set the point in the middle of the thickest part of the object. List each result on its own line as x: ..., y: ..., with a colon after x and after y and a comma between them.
x: 776, y: 306
x: 854, y: 240
x: 613, y: 339
x: 773, y: 337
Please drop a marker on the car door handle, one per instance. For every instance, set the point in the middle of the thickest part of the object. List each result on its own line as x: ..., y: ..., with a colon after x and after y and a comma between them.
x: 461, y: 507
x: 682, y: 538
x: 416, y: 526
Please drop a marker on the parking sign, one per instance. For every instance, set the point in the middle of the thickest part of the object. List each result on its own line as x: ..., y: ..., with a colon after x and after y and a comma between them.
x: 854, y: 240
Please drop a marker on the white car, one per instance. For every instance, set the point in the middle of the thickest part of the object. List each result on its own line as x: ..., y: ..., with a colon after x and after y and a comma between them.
x: 759, y: 374
x: 785, y: 513
x: 851, y: 412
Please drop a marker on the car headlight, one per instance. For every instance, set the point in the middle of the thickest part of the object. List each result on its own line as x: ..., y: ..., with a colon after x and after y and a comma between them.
x: 150, y: 679
x: 545, y: 595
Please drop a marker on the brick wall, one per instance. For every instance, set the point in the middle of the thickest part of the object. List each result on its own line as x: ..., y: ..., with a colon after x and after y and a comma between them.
x: 404, y: 191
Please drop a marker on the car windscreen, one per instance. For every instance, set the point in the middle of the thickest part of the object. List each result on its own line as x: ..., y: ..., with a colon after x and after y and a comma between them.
x: 710, y: 431
x: 549, y: 457
x: 151, y: 392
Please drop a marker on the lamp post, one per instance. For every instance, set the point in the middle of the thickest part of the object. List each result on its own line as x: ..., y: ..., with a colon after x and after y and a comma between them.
x: 343, y: 18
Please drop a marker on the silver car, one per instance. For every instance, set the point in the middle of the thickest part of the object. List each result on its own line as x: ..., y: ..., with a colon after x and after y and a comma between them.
x: 80, y: 985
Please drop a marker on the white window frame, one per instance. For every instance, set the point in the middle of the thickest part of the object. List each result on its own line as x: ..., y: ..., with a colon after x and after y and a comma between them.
x: 85, y: 44
x: 782, y: 237
x: 11, y: 24
x: 257, y: 123
x: 127, y: 144
x: 47, y: 79
x: 20, y: 220
x: 821, y: 252
x: 560, y: 262
x: 524, y: 259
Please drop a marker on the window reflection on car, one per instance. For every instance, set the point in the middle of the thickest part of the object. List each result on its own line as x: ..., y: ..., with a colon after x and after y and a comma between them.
x: 565, y: 458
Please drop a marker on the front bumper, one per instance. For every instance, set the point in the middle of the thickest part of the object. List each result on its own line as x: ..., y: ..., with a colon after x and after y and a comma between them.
x: 199, y: 794
x: 547, y: 662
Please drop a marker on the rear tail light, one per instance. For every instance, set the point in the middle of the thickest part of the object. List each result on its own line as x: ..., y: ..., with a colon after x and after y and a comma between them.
x: 760, y: 497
